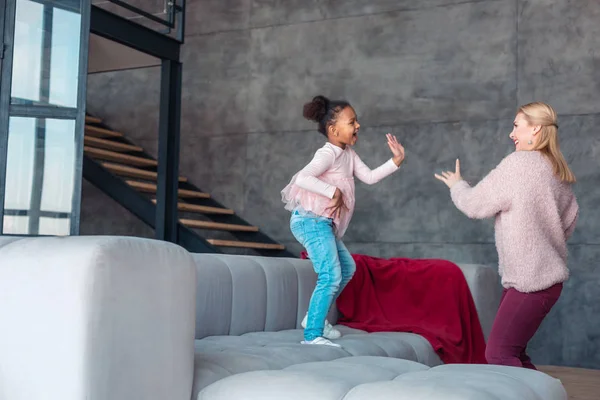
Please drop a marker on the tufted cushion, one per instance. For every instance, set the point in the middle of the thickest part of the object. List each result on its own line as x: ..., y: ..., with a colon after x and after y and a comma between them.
x: 218, y: 357
x: 249, y: 309
x: 241, y: 294
x: 378, y: 378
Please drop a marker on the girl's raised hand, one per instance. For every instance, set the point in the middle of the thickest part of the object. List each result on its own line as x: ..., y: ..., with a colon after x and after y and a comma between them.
x: 396, y: 148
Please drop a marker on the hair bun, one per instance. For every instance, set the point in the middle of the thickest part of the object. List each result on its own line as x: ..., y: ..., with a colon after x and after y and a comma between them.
x: 316, y: 109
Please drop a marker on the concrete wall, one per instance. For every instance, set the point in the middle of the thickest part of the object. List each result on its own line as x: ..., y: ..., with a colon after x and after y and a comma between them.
x: 445, y: 76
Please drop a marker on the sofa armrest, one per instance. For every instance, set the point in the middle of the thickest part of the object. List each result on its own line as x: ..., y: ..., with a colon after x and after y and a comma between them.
x: 96, y: 318
x: 484, y: 284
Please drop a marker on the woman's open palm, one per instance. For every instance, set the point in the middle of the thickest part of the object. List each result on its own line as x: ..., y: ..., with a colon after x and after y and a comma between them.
x: 450, y: 178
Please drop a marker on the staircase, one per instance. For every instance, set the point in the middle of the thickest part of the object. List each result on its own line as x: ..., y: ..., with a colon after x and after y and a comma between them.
x: 128, y: 174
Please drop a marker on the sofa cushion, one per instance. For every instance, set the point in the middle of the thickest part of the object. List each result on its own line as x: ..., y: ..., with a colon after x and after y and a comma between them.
x: 378, y: 378
x: 218, y: 357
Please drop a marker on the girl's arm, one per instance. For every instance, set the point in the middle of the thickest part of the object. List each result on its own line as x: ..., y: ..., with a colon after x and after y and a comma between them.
x: 369, y: 176
x: 307, y: 177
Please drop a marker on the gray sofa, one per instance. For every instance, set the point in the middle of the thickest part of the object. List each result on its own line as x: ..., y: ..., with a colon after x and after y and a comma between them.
x: 126, y: 318
x: 249, y: 309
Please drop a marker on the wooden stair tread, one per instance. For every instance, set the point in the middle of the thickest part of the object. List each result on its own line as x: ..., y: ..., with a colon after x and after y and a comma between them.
x: 192, y: 223
x: 121, y: 158
x: 152, y: 188
x: 92, y: 120
x: 101, y: 132
x: 246, y: 245
x: 109, y: 144
x: 201, y: 209
x: 131, y: 172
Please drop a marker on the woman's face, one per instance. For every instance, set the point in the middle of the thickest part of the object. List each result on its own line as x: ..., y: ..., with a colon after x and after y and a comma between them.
x: 523, y: 135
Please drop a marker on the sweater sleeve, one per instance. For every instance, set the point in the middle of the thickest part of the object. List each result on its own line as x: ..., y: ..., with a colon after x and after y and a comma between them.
x: 489, y: 197
x: 570, y: 218
x: 369, y: 176
x: 308, y: 177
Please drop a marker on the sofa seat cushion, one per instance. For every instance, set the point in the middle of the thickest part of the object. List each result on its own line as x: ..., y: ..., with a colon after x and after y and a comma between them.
x: 218, y: 357
x: 383, y: 378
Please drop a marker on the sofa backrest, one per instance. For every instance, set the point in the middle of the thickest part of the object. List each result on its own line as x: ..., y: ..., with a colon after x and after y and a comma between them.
x: 241, y: 294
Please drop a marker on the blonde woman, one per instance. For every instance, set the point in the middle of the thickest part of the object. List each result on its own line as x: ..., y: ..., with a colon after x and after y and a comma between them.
x: 529, y: 194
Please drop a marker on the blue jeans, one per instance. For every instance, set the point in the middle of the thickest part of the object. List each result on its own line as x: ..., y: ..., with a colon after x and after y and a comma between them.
x: 331, y: 260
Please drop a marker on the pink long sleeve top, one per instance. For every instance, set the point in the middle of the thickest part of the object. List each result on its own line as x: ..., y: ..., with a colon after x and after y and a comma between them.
x: 331, y: 168
x: 535, y: 213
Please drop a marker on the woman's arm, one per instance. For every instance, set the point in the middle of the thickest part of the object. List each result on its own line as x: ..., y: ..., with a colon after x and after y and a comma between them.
x: 484, y: 200
x: 571, y: 217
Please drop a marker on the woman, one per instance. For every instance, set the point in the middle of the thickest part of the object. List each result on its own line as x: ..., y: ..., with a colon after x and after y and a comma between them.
x: 529, y: 194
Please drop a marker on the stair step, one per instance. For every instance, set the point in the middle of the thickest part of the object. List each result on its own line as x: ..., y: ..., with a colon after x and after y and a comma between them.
x: 110, y: 144
x: 246, y: 245
x: 151, y: 188
x: 118, y: 157
x: 192, y: 223
x: 101, y: 132
x: 131, y: 172
x: 201, y: 209
x: 204, y: 209
x: 92, y: 120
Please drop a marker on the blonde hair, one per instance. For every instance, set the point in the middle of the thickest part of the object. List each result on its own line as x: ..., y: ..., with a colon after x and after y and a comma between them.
x: 539, y: 113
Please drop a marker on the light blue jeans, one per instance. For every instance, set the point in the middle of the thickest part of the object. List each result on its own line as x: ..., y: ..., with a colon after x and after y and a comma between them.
x: 331, y: 260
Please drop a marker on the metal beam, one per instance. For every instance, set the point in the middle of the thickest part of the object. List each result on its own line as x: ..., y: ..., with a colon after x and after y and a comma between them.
x: 168, y: 151
x: 139, y: 11
x: 8, y: 24
x: 138, y: 204
x: 234, y: 219
x: 121, y: 30
x: 84, y: 43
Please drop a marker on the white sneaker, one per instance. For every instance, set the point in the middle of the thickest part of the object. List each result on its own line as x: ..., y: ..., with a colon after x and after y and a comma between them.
x: 328, y: 330
x: 321, y: 340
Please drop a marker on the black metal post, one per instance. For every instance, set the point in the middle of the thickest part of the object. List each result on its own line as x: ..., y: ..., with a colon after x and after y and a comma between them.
x: 39, y: 147
x: 168, y: 151
x: 180, y: 24
x: 7, y: 25
x: 84, y: 43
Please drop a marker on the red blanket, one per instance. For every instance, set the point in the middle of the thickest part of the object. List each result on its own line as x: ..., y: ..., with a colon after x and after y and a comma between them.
x: 428, y: 297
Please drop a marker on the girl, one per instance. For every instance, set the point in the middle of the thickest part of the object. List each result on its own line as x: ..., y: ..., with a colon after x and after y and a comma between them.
x: 321, y: 199
x: 529, y: 194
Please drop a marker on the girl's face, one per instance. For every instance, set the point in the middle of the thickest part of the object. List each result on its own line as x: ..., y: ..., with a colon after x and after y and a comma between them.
x: 345, y: 130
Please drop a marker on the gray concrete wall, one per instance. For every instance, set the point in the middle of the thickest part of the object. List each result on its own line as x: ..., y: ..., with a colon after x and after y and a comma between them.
x: 445, y: 76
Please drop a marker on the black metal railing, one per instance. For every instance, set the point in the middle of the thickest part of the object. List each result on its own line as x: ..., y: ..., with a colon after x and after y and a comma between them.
x: 174, y: 9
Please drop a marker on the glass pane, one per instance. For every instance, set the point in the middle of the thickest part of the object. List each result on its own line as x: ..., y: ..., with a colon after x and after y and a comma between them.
x: 14, y: 223
x: 40, y: 176
x: 46, y: 53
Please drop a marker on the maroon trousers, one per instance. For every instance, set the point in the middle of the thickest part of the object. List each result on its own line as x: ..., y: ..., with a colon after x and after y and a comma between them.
x: 519, y: 317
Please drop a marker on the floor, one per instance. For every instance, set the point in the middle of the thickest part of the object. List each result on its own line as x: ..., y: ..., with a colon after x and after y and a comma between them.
x: 581, y: 384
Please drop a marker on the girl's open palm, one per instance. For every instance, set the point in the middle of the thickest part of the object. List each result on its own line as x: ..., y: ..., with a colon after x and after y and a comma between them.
x: 396, y: 148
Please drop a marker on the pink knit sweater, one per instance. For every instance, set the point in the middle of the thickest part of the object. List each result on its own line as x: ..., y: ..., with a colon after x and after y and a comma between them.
x: 535, y: 215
